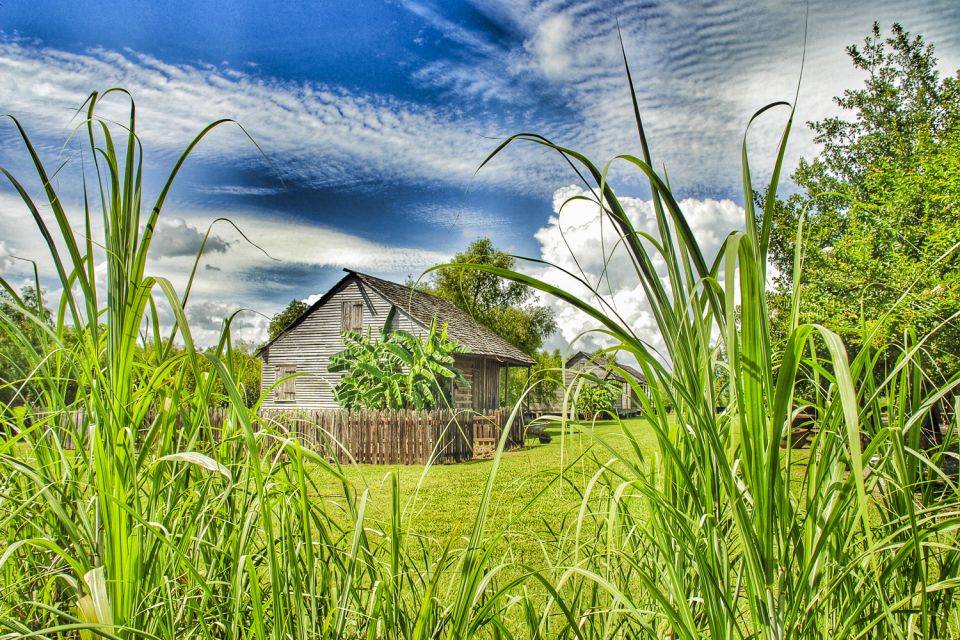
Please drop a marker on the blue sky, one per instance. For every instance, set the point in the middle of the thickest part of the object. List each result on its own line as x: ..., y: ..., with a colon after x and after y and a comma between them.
x: 373, y: 117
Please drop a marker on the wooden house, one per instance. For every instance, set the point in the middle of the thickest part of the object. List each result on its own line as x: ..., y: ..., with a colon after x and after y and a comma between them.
x: 360, y: 302
x: 603, y: 368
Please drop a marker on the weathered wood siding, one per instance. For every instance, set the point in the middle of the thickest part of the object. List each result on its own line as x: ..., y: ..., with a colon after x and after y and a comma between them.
x: 492, y: 381
x: 309, y: 345
x: 483, y: 374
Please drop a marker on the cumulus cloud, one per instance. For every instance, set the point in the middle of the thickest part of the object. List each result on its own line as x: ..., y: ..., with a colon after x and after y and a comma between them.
x: 291, y: 259
x: 6, y: 261
x: 175, y: 237
x: 578, y: 239
x: 207, y: 322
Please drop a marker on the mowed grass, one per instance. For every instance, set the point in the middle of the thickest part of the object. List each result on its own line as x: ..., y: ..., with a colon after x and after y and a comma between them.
x: 537, y: 497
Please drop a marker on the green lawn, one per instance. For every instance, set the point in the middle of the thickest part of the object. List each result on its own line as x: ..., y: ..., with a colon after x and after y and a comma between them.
x: 446, y: 503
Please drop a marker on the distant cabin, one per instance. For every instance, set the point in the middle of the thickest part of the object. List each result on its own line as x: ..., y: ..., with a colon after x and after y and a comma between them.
x: 360, y: 303
x: 627, y: 404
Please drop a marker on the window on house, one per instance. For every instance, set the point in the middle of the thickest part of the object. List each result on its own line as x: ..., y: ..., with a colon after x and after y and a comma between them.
x: 286, y: 391
x: 351, y: 318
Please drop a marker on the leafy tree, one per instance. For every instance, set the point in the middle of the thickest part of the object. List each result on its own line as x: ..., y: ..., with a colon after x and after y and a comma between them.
x: 398, y: 371
x: 16, y: 361
x: 882, y: 205
x: 244, y: 367
x: 546, y: 379
x: 285, y: 318
x: 504, y: 307
x: 240, y: 360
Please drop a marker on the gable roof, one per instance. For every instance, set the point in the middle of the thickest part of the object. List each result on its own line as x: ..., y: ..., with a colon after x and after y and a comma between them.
x: 461, y: 326
x: 423, y: 307
x: 605, y: 363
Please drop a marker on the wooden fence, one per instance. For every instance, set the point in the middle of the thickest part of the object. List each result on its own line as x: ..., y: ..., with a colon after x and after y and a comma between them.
x: 393, y: 437
x: 371, y: 437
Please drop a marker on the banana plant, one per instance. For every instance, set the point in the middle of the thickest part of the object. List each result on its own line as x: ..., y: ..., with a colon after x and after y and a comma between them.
x: 400, y: 370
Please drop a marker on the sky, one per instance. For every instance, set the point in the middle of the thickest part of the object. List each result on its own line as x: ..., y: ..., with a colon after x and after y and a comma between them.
x: 361, y: 126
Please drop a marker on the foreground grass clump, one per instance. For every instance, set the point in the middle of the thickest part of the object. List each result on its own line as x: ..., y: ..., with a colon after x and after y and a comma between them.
x: 158, y: 529
x: 725, y: 533
x: 697, y: 525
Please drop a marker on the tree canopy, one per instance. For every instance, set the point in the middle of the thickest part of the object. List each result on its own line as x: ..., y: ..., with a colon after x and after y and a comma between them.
x: 285, y: 318
x: 881, y: 205
x: 506, y: 308
x: 16, y: 360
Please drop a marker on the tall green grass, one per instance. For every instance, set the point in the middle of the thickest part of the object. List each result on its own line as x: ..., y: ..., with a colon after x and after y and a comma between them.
x: 156, y: 526
x: 724, y: 533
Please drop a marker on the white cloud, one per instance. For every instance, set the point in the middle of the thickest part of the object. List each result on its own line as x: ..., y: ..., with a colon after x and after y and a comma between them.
x: 459, y: 217
x: 207, y: 322
x: 698, y: 79
x: 238, y: 190
x: 698, y: 76
x: 321, y: 246
x: 6, y: 259
x: 550, y: 46
x: 235, y: 275
x: 315, y: 133
x: 243, y: 276
x: 578, y: 238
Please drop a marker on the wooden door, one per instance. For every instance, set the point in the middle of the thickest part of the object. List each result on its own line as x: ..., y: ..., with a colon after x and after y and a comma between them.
x: 463, y: 396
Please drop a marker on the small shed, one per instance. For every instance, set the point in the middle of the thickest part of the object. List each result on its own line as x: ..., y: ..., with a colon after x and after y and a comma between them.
x: 359, y: 302
x: 603, y: 368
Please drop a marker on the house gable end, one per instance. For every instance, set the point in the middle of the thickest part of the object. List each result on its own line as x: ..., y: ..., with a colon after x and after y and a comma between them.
x: 307, y: 346
x: 263, y: 351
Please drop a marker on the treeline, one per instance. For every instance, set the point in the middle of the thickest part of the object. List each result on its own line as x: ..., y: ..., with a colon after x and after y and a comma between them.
x: 28, y: 339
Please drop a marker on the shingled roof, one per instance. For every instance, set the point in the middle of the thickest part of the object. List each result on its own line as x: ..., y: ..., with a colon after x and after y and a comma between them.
x: 461, y: 326
x: 423, y: 308
x: 605, y: 362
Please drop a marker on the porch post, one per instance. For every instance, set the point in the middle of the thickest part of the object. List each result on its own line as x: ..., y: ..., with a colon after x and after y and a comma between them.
x: 506, y: 386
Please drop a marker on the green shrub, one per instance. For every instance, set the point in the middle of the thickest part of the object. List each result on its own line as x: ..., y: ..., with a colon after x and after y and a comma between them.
x: 597, y: 400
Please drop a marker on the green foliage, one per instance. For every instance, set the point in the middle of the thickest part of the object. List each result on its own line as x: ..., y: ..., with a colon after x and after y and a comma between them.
x: 726, y: 533
x: 545, y: 380
x: 399, y: 371
x: 882, y: 202
x: 244, y: 363
x: 24, y: 320
x: 285, y: 318
x: 502, y: 306
x: 597, y: 400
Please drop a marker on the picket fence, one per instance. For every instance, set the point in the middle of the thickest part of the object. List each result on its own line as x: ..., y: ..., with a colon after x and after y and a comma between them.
x: 370, y: 437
